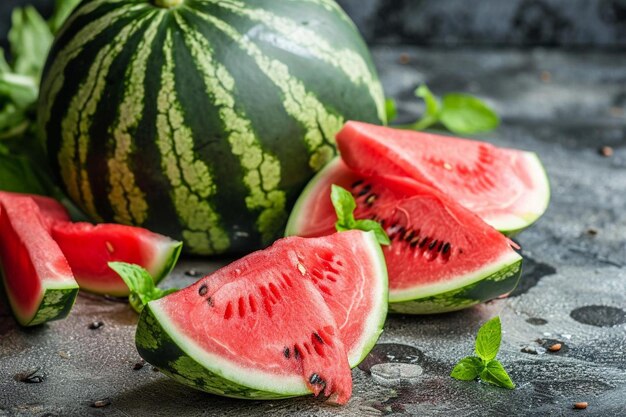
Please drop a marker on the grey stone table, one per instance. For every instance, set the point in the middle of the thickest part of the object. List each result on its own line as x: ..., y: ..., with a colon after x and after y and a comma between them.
x: 564, y: 106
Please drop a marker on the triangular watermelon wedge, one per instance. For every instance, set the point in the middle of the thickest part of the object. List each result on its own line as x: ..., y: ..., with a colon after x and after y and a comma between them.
x: 507, y: 188
x: 442, y: 257
x: 282, y: 322
x: 38, y: 280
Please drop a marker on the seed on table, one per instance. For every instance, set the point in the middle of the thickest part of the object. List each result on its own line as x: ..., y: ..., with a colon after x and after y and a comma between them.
x: 192, y: 273
x: 96, y: 325
x: 592, y: 232
x: 581, y: 405
x: 138, y: 366
x: 101, y: 403
x: 606, y: 151
x: 404, y: 58
x: 555, y: 347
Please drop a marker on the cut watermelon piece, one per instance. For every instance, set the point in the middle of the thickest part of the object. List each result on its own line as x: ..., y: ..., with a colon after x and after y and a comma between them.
x: 37, y: 278
x: 442, y: 256
x: 50, y: 209
x: 507, y: 188
x: 278, y: 323
x: 89, y: 248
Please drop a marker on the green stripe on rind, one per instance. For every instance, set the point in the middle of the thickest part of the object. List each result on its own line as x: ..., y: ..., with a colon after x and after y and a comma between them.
x: 54, y: 78
x: 76, y: 124
x: 158, y: 346
x: 492, y: 286
x: 191, y: 179
x: 262, y: 170
x: 55, y: 304
x: 321, y: 125
x: 127, y: 199
x: 349, y: 62
x: 167, y: 256
x: 378, y: 315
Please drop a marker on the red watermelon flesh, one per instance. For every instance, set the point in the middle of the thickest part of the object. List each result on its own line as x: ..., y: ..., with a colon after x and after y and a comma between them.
x: 50, y: 209
x: 437, y: 245
x: 507, y: 188
x: 89, y: 248
x: 38, y: 280
x: 280, y: 322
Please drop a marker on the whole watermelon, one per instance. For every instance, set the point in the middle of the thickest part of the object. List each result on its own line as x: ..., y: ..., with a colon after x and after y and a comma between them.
x: 202, y: 119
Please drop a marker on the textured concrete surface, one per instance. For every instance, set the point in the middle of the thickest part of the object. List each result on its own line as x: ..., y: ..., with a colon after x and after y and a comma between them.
x: 562, y: 106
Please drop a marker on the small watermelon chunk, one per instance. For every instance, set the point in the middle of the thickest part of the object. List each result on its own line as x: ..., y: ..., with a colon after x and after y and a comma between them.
x: 442, y: 257
x: 277, y: 323
x: 38, y: 280
x: 89, y: 248
x: 507, y: 188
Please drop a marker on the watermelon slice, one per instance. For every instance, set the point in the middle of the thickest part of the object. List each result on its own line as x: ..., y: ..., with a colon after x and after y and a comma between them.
x: 282, y: 322
x: 37, y: 278
x: 89, y: 248
x: 442, y: 256
x: 507, y: 188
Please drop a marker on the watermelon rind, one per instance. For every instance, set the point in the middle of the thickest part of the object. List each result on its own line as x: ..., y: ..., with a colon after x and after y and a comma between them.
x: 178, y: 357
x: 56, y: 301
x: 487, y: 285
x: 512, y: 225
x: 165, y: 259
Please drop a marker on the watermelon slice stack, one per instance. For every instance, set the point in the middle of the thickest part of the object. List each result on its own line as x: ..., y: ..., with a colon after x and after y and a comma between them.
x: 45, y: 258
x: 439, y: 199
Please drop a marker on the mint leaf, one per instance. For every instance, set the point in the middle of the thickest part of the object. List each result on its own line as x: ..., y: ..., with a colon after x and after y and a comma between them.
x: 465, y: 114
x: 391, y: 110
x: 344, y: 207
x: 468, y: 369
x: 431, y: 116
x: 21, y: 89
x: 345, y: 204
x: 140, y: 283
x: 373, y: 226
x: 62, y: 10
x: 495, y: 374
x: 488, y: 339
x: 30, y: 40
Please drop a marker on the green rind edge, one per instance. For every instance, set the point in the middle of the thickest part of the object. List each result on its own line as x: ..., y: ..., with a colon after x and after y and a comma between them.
x: 156, y: 346
x: 492, y: 286
x: 170, y: 259
x: 55, y: 305
x: 384, y: 305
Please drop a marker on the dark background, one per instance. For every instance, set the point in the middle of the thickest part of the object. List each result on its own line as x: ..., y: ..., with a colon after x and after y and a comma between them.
x: 551, y: 23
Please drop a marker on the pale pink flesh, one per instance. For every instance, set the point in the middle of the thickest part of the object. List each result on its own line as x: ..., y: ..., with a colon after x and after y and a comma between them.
x: 493, y: 182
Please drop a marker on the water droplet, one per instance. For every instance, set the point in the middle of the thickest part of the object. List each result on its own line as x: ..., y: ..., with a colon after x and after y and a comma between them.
x: 599, y: 316
x: 392, y: 374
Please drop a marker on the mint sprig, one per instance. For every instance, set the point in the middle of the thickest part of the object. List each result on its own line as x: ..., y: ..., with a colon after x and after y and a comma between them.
x: 140, y: 283
x: 485, y: 365
x: 459, y: 113
x: 345, y: 205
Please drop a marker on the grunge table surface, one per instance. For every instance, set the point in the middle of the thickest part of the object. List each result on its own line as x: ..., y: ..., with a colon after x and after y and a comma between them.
x: 564, y: 106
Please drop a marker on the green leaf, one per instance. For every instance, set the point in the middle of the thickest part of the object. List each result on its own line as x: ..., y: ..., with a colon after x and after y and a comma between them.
x: 344, y: 207
x: 465, y: 114
x: 495, y: 374
x: 432, y: 103
x: 468, y: 369
x: 140, y: 283
x: 21, y: 89
x: 373, y: 226
x: 30, y: 40
x: 18, y: 175
x: 4, y: 65
x: 391, y: 110
x: 488, y: 339
x: 62, y: 10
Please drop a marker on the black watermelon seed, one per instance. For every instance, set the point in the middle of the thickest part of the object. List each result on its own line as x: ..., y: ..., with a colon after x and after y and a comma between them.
x: 296, y: 352
x: 203, y: 290
x: 315, y: 379
x: 409, y: 235
x: 209, y: 301
x: 440, y: 246
x: 446, y: 248
x: 319, y: 339
x: 415, y: 241
x: 95, y: 325
x: 365, y: 190
x: 286, y: 353
x: 432, y: 244
x: 357, y: 183
x: 424, y: 241
x: 138, y: 366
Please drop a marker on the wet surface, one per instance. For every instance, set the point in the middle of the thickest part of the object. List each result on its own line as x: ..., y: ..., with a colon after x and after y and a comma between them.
x: 573, y: 289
